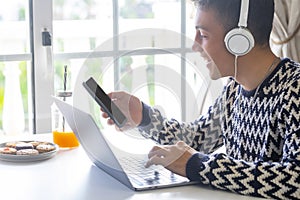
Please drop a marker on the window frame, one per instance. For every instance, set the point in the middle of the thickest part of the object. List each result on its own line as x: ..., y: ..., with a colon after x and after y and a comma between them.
x: 42, y: 75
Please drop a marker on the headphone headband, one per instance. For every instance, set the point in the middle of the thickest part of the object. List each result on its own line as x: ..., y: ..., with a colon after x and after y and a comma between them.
x: 239, y: 41
x: 244, y: 13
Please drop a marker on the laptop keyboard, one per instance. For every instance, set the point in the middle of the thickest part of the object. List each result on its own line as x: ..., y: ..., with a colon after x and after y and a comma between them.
x: 155, y: 174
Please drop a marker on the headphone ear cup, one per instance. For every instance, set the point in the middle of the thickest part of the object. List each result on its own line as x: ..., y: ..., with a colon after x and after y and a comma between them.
x: 239, y: 41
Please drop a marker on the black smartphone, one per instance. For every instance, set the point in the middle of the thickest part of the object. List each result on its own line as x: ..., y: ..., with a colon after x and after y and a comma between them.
x: 105, y: 102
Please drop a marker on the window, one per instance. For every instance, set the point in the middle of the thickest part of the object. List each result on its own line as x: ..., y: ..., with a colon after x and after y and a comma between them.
x: 15, y: 68
x: 131, y: 45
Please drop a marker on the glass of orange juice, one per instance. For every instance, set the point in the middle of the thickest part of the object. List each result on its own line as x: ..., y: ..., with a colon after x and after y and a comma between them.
x: 63, y: 136
x: 65, y: 139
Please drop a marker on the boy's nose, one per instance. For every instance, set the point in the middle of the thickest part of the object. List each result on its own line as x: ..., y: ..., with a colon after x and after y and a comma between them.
x: 197, y: 47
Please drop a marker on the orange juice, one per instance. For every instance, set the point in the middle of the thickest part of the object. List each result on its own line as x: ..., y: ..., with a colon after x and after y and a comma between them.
x: 65, y: 139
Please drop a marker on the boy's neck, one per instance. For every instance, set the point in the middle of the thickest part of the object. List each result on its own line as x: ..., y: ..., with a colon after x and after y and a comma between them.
x: 255, y: 67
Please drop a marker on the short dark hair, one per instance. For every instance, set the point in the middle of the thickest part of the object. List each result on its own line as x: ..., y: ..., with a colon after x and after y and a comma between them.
x: 260, y: 17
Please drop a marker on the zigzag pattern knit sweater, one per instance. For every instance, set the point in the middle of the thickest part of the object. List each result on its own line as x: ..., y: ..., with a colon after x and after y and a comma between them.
x: 261, y: 136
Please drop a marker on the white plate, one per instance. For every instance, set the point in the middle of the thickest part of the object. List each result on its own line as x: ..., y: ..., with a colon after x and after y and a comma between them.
x: 28, y: 158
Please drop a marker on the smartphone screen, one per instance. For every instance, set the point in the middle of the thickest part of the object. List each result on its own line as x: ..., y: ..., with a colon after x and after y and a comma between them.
x: 105, y: 102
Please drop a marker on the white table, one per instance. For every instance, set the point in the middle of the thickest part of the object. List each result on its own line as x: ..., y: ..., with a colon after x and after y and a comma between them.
x: 70, y: 175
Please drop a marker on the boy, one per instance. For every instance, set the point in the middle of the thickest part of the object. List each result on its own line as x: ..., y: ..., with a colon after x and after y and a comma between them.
x: 256, y: 117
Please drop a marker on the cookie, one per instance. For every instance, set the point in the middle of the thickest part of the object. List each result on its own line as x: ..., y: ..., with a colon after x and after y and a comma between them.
x: 23, y: 145
x: 35, y: 143
x: 27, y: 152
x: 11, y: 144
x: 8, y: 150
x: 42, y: 148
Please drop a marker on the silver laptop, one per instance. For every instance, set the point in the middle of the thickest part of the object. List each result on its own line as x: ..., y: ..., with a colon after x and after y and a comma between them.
x: 127, y: 168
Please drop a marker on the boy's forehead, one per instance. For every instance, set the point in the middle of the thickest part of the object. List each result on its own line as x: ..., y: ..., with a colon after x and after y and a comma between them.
x: 205, y: 19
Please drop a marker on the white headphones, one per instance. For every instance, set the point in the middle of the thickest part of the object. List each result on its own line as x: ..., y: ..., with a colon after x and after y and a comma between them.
x: 239, y: 41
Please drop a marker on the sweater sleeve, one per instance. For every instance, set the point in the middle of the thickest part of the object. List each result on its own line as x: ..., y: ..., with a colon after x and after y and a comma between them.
x: 145, y: 115
x: 204, y: 134
x: 276, y: 180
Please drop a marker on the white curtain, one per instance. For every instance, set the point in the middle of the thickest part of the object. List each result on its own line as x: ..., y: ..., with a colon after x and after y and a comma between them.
x: 285, y: 37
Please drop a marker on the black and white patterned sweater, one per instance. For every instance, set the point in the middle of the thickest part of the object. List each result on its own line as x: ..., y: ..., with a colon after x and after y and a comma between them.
x: 261, y: 136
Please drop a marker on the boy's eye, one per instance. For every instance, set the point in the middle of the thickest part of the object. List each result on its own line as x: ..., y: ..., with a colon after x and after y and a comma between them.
x: 201, y: 35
